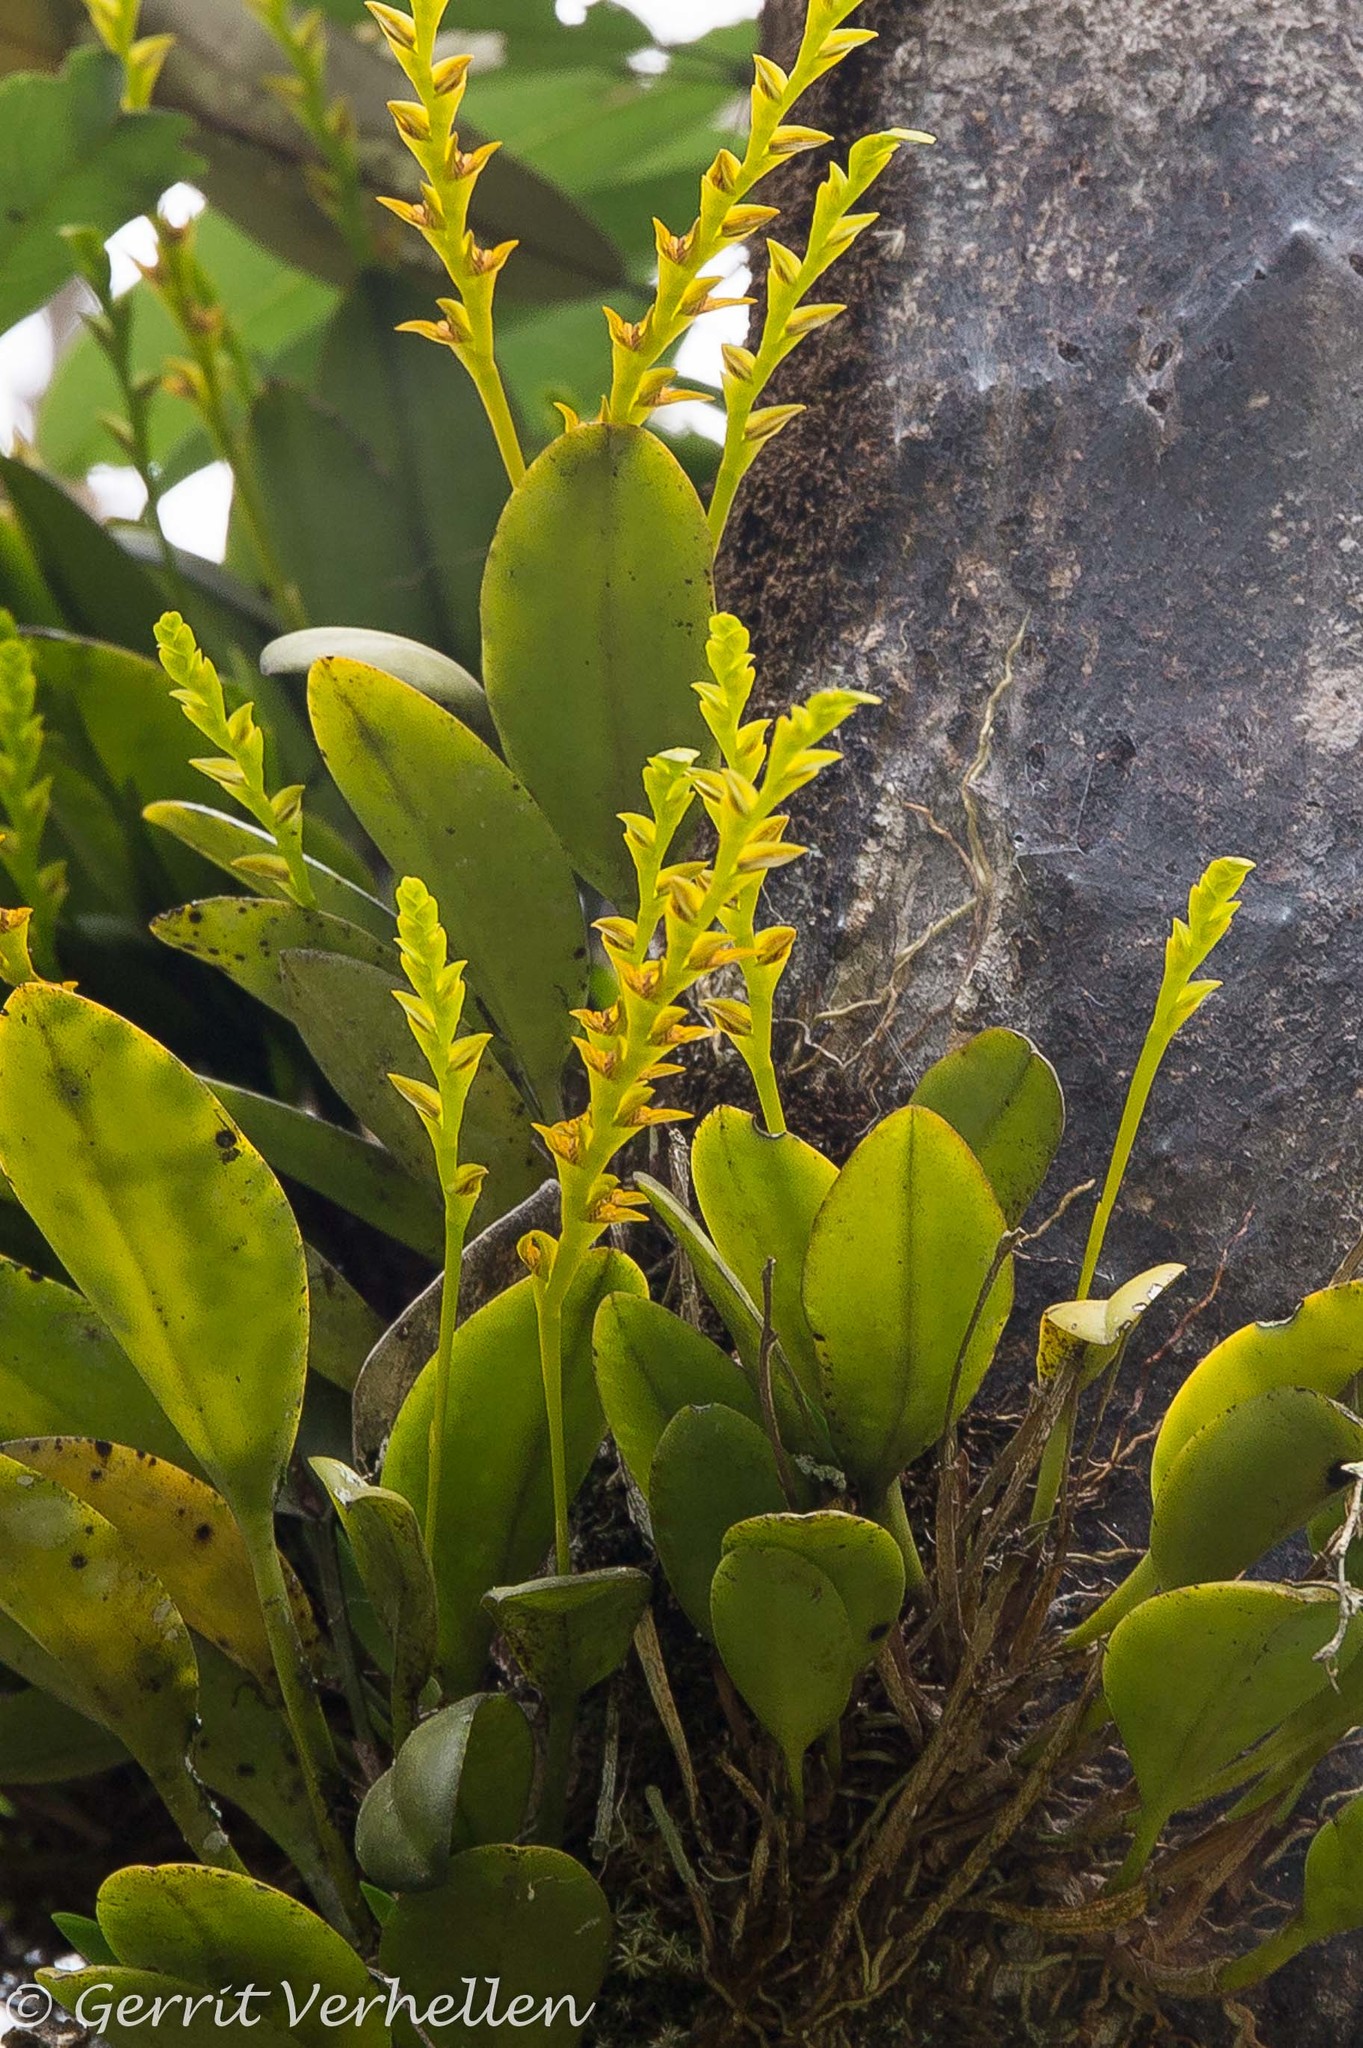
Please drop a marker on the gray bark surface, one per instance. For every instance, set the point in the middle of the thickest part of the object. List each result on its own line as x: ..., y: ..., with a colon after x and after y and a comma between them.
x: 1104, y: 372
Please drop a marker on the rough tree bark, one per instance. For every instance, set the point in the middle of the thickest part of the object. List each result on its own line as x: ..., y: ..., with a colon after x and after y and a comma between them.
x: 1104, y: 373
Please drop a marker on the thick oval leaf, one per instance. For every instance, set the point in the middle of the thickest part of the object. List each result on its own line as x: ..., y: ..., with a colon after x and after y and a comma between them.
x: 225, y: 840
x: 461, y: 1779
x: 435, y: 799
x: 496, y: 1502
x: 899, y: 1257
x: 1004, y: 1098
x: 245, y: 937
x: 863, y: 1561
x: 350, y: 1170
x: 718, y: 1282
x: 172, y: 1225
x: 569, y: 1633
x: 43, y: 1741
x: 390, y: 1556
x: 759, y: 1196
x: 712, y: 1468
x: 1319, y: 1346
x: 180, y: 1530
x: 62, y: 1373
x: 217, y: 1927
x: 436, y: 676
x: 72, y: 1583
x: 596, y: 606
x: 1246, y: 1480
x: 489, y: 1266
x: 782, y: 1630
x: 358, y: 1037
x: 649, y: 1365
x: 1332, y: 1882
x: 1195, y: 1676
x: 530, y: 1917
x: 97, y: 1995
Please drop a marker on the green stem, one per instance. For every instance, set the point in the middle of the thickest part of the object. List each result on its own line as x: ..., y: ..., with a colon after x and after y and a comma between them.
x: 303, y: 1711
x: 552, y: 1817
x: 455, y: 1227
x: 1055, y: 1460
x: 893, y: 1517
x: 487, y: 379
x: 1138, y: 1585
x: 1262, y: 1961
x: 549, y: 1316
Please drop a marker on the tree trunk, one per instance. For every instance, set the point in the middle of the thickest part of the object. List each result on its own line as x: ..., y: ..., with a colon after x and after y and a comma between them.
x: 1102, y: 376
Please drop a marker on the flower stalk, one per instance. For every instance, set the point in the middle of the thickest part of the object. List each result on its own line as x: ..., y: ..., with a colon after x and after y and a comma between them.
x: 449, y: 177
x: 434, y: 1009
x: 694, y: 918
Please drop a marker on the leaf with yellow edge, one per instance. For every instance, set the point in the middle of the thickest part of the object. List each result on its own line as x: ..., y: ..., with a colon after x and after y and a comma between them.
x: 179, y: 1529
x: 171, y: 1224
x: 72, y: 1583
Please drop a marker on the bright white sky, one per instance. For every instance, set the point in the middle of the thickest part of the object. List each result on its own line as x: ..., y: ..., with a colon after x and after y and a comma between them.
x: 194, y: 514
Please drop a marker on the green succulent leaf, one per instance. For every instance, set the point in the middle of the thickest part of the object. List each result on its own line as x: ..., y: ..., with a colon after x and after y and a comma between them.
x: 350, y: 1170
x: 61, y: 1373
x: 173, y: 1226
x: 461, y: 1780
x: 1247, y: 1479
x: 596, y: 609
x: 649, y: 1365
x: 1003, y: 1097
x: 213, y: 1927
x: 863, y: 1561
x: 435, y: 799
x: 179, y: 1530
x: 385, y: 1540
x: 1318, y: 1346
x: 532, y: 1917
x: 246, y: 937
x: 568, y: 1634
x: 71, y: 1582
x: 496, y: 1503
x: 225, y: 841
x: 435, y: 674
x: 1196, y: 1676
x: 43, y: 1741
x: 718, y: 1282
x: 782, y: 1629
x: 712, y: 1468
x: 899, y: 1258
x: 759, y: 1196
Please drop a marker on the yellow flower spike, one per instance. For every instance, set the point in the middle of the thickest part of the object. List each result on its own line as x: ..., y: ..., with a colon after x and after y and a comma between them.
x: 792, y: 141
x: 772, y: 81
x: 434, y: 1011
x: 450, y: 75
x: 742, y: 221
x: 240, y: 768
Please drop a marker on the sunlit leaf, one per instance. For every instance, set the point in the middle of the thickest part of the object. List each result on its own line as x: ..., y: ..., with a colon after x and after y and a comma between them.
x: 173, y: 1226
x: 1004, y: 1099
x: 712, y: 1468
x: 782, y: 1629
x: 650, y: 1364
